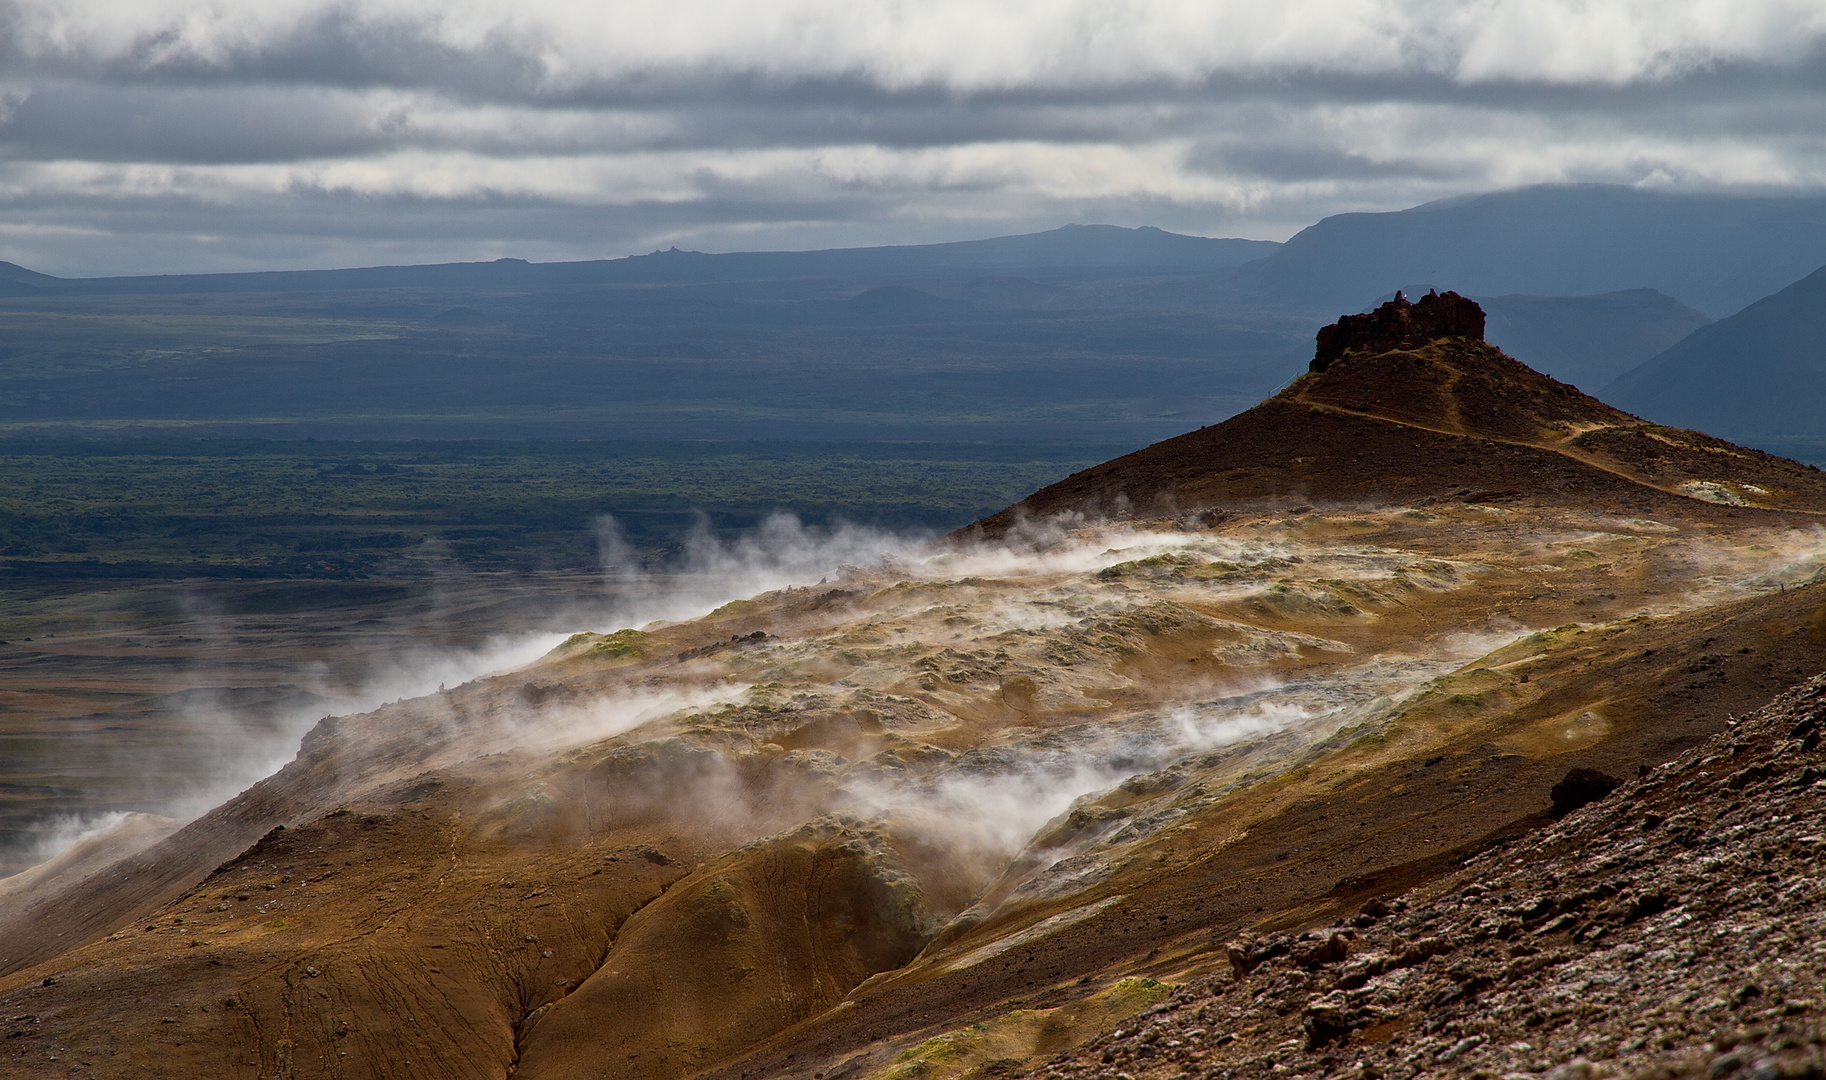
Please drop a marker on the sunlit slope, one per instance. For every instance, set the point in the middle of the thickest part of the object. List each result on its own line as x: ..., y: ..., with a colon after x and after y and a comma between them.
x: 884, y: 781
x: 954, y: 809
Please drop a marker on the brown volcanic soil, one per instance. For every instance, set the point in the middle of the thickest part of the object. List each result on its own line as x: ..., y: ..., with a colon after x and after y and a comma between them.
x: 831, y: 832
x: 1451, y: 420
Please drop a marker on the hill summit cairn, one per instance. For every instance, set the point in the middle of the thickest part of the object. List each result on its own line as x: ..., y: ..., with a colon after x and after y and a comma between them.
x: 1400, y: 324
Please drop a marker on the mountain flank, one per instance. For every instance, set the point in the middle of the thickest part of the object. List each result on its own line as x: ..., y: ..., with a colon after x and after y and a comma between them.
x: 1408, y: 403
x: 1581, y: 951
x: 1759, y: 374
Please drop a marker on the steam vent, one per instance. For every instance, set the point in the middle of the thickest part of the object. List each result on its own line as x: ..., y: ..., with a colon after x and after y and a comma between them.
x: 1399, y: 324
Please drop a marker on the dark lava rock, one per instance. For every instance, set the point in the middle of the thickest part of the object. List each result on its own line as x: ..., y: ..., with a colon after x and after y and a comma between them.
x: 1581, y: 787
x: 1330, y: 950
x: 1399, y: 324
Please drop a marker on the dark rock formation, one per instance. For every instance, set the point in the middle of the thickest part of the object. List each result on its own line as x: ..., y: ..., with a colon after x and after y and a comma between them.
x: 1399, y: 324
x: 1581, y: 787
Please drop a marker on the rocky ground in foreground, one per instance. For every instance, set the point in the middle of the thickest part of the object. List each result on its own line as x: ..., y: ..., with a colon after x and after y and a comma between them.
x: 1675, y: 927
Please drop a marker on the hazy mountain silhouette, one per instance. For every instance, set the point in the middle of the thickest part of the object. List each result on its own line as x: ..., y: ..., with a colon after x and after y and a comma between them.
x: 1716, y: 253
x: 1073, y: 247
x: 1759, y: 375
x: 1588, y: 340
x: 16, y: 280
x: 1088, y: 324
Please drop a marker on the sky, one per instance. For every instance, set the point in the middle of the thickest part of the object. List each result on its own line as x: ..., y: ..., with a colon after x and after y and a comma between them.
x: 154, y: 136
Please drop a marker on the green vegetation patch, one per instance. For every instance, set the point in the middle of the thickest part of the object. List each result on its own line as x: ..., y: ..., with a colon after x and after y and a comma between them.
x: 623, y: 645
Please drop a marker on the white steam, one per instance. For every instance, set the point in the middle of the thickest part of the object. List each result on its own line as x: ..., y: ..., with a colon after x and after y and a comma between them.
x: 711, y: 572
x: 991, y: 806
x: 559, y: 726
x: 67, y: 830
x: 215, y: 749
x: 242, y: 754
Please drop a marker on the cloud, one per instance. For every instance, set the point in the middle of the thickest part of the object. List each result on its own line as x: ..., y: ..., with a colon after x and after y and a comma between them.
x: 199, y: 135
x: 962, y: 46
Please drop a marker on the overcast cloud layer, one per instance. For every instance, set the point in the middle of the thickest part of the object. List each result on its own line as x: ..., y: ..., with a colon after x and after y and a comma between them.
x: 144, y: 136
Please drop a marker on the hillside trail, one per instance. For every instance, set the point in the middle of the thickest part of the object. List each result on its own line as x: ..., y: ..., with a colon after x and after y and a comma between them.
x: 1552, y: 446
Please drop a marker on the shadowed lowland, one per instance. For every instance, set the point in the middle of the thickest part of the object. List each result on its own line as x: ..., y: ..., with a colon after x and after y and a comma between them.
x: 1196, y: 761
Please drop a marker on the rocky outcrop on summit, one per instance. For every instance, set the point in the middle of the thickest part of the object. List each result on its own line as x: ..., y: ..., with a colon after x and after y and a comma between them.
x: 1399, y: 324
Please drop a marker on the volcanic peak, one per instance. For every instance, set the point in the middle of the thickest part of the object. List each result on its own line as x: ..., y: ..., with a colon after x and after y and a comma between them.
x: 1399, y: 324
x: 1407, y: 406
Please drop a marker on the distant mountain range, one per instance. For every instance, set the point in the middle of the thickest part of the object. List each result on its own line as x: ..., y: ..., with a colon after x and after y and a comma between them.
x: 1090, y: 333
x: 1713, y: 253
x: 1588, y: 340
x: 1073, y: 249
x: 1133, y: 334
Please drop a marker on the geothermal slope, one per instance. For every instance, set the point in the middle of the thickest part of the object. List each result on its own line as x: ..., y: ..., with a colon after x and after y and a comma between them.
x: 1264, y: 749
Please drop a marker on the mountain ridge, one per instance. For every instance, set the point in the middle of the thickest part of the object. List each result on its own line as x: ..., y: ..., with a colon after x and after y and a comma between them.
x: 1714, y: 253
x: 1070, y: 247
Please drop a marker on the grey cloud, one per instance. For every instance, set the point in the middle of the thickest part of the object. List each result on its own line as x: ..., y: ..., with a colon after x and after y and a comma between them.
x: 1296, y: 161
x: 119, y: 123
x: 275, y: 123
x: 361, y: 133
x: 332, y: 49
x: 503, y: 47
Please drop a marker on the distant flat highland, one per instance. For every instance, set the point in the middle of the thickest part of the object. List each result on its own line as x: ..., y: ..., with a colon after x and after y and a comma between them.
x: 1087, y: 332
x: 1097, y: 249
